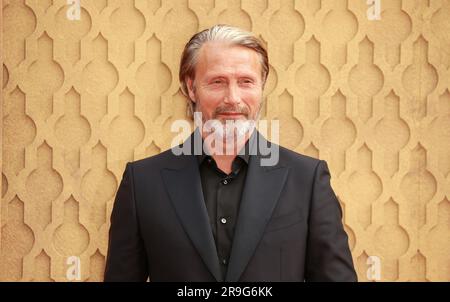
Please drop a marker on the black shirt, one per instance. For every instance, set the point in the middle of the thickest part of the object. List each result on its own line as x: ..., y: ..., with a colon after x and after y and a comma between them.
x: 222, y: 194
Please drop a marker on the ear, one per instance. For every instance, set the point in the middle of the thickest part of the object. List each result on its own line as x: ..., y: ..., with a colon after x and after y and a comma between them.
x: 190, y: 88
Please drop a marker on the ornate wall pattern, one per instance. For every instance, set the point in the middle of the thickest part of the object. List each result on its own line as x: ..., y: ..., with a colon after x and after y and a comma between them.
x: 81, y: 98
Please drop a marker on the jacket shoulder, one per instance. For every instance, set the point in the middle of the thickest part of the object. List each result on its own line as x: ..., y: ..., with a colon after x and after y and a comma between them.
x: 291, y: 158
x: 154, y: 162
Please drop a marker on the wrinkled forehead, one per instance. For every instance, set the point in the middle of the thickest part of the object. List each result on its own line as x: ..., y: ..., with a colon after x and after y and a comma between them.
x: 216, y: 56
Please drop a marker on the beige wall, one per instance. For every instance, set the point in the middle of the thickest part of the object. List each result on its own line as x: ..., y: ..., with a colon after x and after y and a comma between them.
x: 81, y: 98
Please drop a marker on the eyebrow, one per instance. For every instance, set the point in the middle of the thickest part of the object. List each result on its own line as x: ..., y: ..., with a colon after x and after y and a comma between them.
x: 211, y: 76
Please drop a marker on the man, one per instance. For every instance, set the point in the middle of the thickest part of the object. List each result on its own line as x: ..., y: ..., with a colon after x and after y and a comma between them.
x: 223, y: 215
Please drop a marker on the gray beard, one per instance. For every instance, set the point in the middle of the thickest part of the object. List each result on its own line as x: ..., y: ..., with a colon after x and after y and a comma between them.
x: 225, y: 130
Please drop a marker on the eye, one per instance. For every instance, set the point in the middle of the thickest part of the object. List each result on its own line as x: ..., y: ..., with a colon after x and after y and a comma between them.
x: 217, y: 82
x: 246, y: 81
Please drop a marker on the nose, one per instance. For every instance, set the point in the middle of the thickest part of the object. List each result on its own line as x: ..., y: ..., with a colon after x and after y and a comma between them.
x: 232, y: 96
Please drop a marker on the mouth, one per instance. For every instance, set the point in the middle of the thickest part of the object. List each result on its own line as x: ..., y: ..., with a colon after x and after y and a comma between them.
x: 231, y: 114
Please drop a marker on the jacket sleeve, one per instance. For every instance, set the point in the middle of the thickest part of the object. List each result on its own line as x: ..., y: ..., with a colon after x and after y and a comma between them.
x: 328, y: 255
x: 126, y: 259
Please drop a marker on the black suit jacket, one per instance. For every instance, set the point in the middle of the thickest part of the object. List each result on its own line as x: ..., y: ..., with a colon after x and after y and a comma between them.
x: 288, y: 229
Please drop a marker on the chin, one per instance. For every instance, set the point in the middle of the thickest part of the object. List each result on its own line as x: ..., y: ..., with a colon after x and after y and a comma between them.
x: 224, y: 119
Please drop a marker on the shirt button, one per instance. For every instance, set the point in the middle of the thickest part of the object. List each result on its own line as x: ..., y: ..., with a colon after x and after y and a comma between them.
x: 223, y: 220
x: 225, y: 182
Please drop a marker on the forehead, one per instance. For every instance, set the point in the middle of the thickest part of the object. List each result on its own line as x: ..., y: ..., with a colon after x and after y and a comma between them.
x: 216, y: 57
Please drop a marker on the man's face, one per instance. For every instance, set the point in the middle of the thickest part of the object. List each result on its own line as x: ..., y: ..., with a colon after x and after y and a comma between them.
x: 228, y: 83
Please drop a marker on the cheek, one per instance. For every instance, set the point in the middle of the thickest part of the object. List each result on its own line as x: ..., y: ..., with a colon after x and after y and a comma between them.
x: 252, y: 99
x: 209, y: 101
x: 210, y: 96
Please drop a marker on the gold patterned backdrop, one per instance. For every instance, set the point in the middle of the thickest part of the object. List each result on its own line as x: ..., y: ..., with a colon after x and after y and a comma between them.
x: 82, y: 97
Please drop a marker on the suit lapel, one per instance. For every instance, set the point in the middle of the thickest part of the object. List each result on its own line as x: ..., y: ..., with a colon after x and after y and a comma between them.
x: 262, y: 189
x: 185, y: 191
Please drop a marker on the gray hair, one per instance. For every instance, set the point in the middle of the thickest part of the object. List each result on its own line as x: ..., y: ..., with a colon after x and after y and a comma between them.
x: 225, y: 33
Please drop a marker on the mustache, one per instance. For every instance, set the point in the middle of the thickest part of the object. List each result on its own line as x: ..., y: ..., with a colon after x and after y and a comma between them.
x: 232, y: 109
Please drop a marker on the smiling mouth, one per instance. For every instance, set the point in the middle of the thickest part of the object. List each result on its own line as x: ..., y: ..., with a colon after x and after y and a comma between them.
x: 230, y: 114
